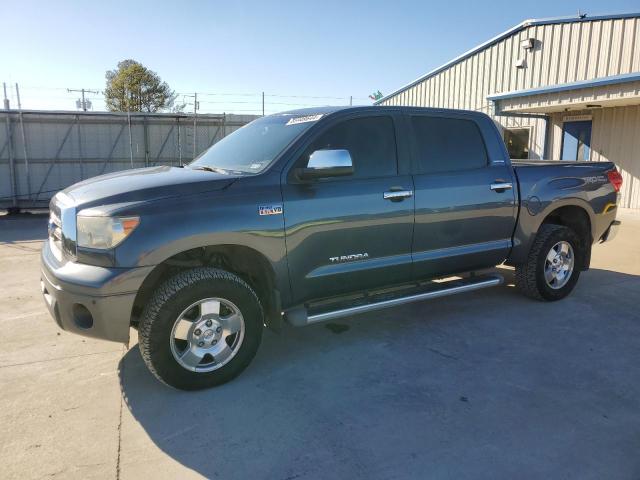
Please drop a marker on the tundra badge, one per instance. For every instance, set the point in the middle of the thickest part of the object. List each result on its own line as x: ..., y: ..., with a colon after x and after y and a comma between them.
x: 349, y: 258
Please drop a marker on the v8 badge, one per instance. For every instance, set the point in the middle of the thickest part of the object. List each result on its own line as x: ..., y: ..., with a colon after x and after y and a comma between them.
x: 270, y: 209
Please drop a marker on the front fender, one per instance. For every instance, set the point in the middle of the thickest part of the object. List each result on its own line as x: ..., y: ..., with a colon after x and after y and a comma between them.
x: 228, y: 217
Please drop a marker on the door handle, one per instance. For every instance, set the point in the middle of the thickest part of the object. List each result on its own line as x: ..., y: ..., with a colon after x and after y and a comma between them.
x: 501, y: 186
x: 397, y: 195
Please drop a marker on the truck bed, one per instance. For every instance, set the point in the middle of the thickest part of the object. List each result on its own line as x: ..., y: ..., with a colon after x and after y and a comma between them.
x: 546, y: 185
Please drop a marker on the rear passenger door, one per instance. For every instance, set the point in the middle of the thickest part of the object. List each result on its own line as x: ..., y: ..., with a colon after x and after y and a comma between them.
x: 462, y: 221
x: 344, y: 234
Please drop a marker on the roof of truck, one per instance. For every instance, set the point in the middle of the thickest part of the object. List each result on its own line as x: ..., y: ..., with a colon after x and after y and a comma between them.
x: 310, y: 111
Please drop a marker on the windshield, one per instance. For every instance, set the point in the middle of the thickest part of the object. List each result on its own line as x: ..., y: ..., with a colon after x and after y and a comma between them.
x: 253, y: 147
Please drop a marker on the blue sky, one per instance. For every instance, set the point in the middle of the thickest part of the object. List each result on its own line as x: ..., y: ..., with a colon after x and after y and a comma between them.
x: 292, y: 50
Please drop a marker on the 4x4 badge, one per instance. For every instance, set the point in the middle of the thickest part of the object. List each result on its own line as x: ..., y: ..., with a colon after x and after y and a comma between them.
x: 270, y: 209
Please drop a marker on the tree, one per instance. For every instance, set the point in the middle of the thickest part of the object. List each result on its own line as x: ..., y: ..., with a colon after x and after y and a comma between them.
x: 133, y: 87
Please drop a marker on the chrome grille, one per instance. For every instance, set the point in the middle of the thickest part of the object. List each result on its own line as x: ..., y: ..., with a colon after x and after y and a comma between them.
x: 61, y: 227
x: 55, y: 228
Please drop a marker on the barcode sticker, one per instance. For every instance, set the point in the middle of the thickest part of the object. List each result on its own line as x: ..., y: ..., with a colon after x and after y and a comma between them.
x: 305, y: 119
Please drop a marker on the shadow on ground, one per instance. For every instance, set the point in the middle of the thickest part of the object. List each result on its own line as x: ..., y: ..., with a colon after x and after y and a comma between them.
x: 23, y: 227
x: 486, y: 385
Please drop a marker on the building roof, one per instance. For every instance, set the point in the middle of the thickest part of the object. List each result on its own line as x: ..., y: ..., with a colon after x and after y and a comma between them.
x: 502, y: 36
x: 563, y: 87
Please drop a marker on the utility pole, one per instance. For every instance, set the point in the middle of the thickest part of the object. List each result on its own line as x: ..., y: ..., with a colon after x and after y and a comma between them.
x: 351, y: 100
x: 6, y: 99
x: 84, y: 104
x: 263, y: 104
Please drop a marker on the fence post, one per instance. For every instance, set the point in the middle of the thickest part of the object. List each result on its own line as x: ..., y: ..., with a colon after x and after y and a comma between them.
x: 195, y: 122
x: 179, y: 144
x: 24, y: 144
x: 146, y: 143
x: 130, y: 138
x: 80, y: 156
x: 12, y: 164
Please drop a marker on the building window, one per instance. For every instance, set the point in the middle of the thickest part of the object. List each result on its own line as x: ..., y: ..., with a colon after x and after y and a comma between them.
x: 576, y: 140
x: 517, y: 142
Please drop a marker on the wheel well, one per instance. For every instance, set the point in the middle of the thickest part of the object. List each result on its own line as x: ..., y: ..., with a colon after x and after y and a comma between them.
x: 247, y: 263
x: 577, y: 219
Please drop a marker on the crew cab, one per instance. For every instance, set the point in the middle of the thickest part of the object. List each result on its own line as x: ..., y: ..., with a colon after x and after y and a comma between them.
x: 311, y: 215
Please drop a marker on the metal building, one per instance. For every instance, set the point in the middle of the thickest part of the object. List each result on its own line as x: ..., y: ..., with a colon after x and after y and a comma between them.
x: 560, y: 88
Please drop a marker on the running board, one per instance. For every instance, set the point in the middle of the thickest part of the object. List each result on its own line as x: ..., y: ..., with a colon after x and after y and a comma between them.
x: 301, y: 316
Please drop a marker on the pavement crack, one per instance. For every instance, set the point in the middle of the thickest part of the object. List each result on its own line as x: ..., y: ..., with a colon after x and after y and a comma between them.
x: 57, y: 358
x: 125, y: 347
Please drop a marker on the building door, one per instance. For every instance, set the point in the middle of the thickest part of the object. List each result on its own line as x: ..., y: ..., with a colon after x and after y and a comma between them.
x: 576, y: 140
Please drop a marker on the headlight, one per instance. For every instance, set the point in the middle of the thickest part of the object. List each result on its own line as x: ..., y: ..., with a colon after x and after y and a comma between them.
x: 104, y: 232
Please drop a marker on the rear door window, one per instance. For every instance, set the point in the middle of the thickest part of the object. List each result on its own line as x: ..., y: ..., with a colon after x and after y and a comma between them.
x: 371, y: 142
x: 447, y: 144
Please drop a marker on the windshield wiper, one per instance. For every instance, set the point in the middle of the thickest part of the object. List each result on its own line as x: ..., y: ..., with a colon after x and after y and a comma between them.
x: 211, y: 169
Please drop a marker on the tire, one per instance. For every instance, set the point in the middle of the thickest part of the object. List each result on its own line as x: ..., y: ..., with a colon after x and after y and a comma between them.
x: 530, y: 276
x: 192, y: 296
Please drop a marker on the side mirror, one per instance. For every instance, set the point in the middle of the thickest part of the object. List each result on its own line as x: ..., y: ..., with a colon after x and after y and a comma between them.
x: 326, y: 164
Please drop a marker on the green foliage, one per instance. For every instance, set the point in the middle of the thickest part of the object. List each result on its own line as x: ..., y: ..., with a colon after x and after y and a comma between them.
x: 133, y: 87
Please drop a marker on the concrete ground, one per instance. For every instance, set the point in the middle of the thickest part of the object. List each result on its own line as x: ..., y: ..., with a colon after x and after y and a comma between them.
x: 486, y: 385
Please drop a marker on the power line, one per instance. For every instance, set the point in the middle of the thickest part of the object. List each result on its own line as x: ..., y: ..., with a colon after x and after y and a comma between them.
x: 227, y: 101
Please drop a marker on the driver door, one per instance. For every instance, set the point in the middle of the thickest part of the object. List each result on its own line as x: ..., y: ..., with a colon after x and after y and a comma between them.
x: 350, y: 233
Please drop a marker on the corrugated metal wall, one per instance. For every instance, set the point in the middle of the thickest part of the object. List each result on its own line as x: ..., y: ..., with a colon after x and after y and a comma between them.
x: 62, y: 148
x: 563, y: 52
x: 615, y: 137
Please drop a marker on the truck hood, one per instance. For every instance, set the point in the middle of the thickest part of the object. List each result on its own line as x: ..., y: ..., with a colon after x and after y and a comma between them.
x: 145, y: 184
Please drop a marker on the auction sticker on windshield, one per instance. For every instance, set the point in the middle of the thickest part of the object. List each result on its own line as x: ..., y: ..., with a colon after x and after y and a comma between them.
x: 305, y: 119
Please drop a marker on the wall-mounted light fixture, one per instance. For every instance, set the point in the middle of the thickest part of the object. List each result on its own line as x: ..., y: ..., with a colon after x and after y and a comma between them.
x: 528, y: 43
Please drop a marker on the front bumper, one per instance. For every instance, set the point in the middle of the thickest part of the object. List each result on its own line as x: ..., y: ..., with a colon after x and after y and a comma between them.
x: 90, y: 300
x: 611, y: 232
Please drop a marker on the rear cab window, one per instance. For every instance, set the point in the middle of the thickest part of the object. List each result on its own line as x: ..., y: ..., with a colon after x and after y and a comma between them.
x: 443, y: 144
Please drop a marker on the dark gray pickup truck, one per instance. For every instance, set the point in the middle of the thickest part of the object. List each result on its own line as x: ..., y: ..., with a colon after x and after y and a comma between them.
x: 312, y: 215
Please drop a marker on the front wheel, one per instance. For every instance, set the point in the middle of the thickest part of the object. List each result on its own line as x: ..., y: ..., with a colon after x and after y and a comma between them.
x: 201, y: 328
x: 554, y: 264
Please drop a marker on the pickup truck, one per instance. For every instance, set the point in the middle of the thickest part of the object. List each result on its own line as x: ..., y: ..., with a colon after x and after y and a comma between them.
x: 311, y: 215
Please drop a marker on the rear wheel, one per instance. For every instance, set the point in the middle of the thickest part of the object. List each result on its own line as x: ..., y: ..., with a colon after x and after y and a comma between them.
x: 554, y: 264
x: 201, y: 328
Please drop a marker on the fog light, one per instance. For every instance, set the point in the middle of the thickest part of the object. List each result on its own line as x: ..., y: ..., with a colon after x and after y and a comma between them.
x: 82, y: 316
